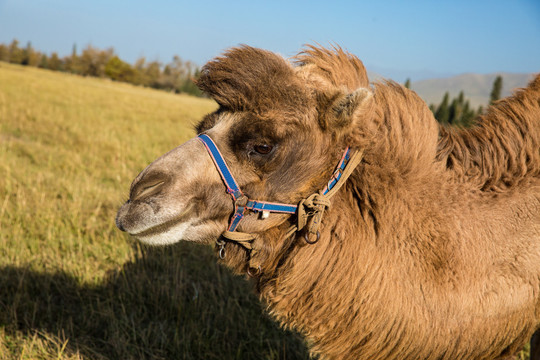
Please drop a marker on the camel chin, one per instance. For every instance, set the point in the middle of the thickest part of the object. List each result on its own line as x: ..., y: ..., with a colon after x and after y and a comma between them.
x: 182, y: 227
x: 167, y: 236
x: 155, y: 225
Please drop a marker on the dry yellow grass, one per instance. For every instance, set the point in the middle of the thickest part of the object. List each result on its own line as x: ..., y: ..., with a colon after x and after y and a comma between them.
x: 69, y: 146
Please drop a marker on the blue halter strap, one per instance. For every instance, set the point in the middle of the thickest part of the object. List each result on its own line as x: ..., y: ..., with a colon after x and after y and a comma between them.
x: 241, y: 201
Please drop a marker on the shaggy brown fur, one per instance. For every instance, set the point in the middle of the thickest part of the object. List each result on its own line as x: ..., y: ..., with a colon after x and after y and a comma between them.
x: 502, y: 149
x: 431, y: 249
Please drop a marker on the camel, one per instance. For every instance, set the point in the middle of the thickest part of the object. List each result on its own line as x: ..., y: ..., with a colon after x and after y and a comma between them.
x: 428, y: 249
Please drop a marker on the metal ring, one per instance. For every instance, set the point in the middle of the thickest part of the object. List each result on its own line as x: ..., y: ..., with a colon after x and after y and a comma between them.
x: 221, y: 243
x: 306, y: 237
x: 241, y: 201
x: 251, y: 273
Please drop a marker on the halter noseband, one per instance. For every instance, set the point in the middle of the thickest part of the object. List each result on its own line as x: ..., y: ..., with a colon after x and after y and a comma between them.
x: 309, y: 210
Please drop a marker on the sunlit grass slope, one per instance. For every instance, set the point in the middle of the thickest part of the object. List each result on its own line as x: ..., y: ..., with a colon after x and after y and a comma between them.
x: 71, y: 285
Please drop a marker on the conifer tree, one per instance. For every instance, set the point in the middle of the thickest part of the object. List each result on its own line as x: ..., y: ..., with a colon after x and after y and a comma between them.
x: 454, y: 112
x: 443, y: 113
x: 468, y: 114
x: 407, y: 83
x: 496, y: 90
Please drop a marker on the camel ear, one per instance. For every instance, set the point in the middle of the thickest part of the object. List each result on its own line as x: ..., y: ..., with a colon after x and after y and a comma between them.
x: 338, y: 109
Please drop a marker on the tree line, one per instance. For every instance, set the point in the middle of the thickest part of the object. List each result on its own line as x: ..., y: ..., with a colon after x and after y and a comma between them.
x: 458, y: 111
x: 176, y: 76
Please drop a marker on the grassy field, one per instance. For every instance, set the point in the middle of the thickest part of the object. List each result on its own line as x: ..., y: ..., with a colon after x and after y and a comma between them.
x: 72, y: 286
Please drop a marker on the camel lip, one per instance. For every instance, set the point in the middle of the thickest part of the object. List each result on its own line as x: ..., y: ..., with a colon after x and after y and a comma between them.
x: 164, y: 226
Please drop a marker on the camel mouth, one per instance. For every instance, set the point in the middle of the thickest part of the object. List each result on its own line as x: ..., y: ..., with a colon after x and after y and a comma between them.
x: 165, y: 226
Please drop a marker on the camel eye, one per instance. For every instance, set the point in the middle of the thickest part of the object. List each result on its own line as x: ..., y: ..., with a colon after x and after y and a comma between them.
x: 263, y: 149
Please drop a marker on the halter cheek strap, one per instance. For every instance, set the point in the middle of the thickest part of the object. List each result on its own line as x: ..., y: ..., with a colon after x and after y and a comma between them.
x: 309, y: 211
x: 241, y: 202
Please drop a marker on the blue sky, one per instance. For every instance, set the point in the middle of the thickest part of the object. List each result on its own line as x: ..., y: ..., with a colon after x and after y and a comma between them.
x: 397, y: 39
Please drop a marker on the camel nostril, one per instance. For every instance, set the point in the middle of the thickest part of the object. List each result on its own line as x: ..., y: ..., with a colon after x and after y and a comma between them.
x: 146, y: 188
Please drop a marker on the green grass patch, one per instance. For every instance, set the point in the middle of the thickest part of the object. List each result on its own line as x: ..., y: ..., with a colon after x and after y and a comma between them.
x: 72, y: 286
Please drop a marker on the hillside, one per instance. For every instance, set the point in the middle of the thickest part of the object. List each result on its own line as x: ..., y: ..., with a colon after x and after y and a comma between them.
x: 476, y: 87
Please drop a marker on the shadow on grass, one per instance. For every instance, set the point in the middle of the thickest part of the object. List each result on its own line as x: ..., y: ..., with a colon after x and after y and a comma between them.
x: 171, y: 303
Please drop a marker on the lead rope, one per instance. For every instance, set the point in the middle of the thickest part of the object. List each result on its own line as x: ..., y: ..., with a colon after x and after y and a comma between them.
x: 310, y: 213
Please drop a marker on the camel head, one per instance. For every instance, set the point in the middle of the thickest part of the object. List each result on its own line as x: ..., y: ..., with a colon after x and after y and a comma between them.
x: 280, y: 127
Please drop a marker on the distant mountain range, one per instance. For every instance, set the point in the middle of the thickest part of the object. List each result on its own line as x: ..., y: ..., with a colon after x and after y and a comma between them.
x: 476, y: 87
